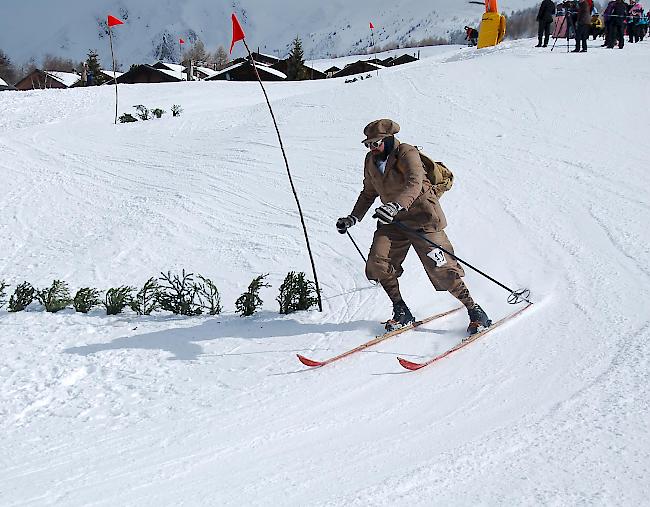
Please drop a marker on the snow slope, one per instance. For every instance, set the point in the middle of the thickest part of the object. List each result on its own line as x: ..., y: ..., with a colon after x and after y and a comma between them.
x: 550, y: 194
x: 69, y: 28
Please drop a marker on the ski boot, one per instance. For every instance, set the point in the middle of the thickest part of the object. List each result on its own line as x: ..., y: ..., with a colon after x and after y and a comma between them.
x: 402, y: 316
x: 478, y: 320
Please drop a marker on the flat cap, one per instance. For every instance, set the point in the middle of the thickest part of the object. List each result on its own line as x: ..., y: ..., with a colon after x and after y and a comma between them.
x: 379, y: 129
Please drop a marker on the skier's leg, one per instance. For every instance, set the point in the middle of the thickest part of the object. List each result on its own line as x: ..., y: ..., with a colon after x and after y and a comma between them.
x: 445, y: 274
x: 387, y: 253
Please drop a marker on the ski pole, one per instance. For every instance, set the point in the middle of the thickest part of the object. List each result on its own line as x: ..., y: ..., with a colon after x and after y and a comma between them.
x: 515, y: 296
x: 357, y: 247
x: 361, y: 254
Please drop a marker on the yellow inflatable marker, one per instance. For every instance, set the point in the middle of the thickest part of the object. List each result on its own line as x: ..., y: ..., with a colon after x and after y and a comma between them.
x: 493, y: 26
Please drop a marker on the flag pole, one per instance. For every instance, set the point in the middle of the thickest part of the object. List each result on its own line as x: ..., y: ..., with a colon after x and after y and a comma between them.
x: 110, y: 36
x: 293, y: 188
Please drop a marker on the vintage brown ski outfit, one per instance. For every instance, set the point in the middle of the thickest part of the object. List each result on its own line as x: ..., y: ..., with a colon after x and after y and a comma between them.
x: 401, y: 181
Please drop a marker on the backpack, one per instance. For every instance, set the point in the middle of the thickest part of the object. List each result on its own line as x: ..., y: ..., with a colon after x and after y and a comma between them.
x: 439, y: 175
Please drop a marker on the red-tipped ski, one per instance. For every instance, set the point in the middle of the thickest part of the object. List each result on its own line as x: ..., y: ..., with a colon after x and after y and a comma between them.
x: 309, y: 362
x: 377, y: 339
x: 410, y: 365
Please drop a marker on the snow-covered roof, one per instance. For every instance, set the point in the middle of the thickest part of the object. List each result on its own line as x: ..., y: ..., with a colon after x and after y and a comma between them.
x: 65, y: 78
x: 260, y: 68
x: 177, y: 74
x: 109, y: 73
x: 207, y: 71
x: 174, y: 66
x: 3, y: 82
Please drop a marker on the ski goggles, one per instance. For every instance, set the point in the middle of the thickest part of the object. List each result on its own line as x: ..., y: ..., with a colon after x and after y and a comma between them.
x: 373, y: 144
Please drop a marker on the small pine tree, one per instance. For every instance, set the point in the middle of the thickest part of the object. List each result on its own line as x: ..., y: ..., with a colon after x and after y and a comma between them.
x: 85, y: 299
x: 22, y: 297
x: 178, y: 294
x: 249, y: 302
x: 296, y: 70
x: 157, y: 112
x: 146, y: 300
x: 117, y: 298
x: 208, y: 296
x: 221, y: 58
x: 94, y: 66
x: 176, y: 110
x: 296, y: 293
x: 3, y: 292
x: 55, y: 298
x: 142, y: 112
x: 127, y: 118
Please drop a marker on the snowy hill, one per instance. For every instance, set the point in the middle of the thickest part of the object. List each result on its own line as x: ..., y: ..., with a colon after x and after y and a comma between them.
x: 69, y: 28
x: 550, y: 194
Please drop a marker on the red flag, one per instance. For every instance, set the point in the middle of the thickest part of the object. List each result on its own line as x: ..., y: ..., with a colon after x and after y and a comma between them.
x: 112, y: 21
x: 372, y: 27
x: 181, y: 41
x: 237, y: 32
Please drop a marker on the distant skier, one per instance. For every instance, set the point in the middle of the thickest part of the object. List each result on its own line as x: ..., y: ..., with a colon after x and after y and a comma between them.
x: 394, y: 172
x: 544, y: 20
x: 471, y: 36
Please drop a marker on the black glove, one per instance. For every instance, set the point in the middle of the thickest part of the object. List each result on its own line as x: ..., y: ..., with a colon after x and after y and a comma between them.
x: 386, y: 212
x: 344, y: 223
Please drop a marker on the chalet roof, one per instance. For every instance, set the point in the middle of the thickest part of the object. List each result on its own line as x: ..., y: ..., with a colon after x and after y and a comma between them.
x: 260, y: 68
x: 3, y: 82
x: 171, y: 69
x: 65, y: 78
x: 207, y: 71
x: 109, y: 73
x: 333, y: 68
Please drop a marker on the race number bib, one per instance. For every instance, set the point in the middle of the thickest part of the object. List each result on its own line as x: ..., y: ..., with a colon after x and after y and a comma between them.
x: 438, y: 257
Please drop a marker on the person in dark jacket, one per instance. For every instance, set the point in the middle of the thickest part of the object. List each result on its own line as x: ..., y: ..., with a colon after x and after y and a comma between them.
x: 583, y: 26
x: 544, y: 20
x: 617, y: 33
x: 607, y: 18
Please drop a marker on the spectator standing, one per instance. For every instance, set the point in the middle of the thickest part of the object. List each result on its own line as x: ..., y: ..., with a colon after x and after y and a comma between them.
x: 544, y: 20
x: 617, y: 32
x: 583, y: 26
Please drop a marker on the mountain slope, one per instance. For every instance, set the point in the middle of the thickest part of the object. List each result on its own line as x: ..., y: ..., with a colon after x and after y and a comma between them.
x: 71, y: 27
x: 550, y: 194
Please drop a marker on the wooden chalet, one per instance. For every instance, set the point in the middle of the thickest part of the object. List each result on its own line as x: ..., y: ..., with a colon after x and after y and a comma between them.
x: 262, y: 58
x: 148, y: 74
x: 331, y: 71
x: 45, y: 79
x: 283, y: 66
x: 359, y: 67
x: 244, y: 71
x: 4, y: 86
x: 401, y: 60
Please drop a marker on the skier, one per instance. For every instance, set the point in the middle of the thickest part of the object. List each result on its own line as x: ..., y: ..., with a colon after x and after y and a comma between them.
x: 544, y: 20
x: 394, y: 172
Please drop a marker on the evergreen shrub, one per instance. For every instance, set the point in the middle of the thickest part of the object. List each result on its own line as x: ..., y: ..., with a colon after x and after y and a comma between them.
x: 3, y: 292
x: 249, y: 302
x: 146, y: 300
x: 296, y: 293
x: 55, y: 298
x: 117, y: 298
x: 208, y: 297
x: 86, y: 299
x: 21, y: 298
x: 177, y: 294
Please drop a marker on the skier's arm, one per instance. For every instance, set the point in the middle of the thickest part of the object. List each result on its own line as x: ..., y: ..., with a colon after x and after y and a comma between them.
x: 365, y: 199
x: 413, y: 175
